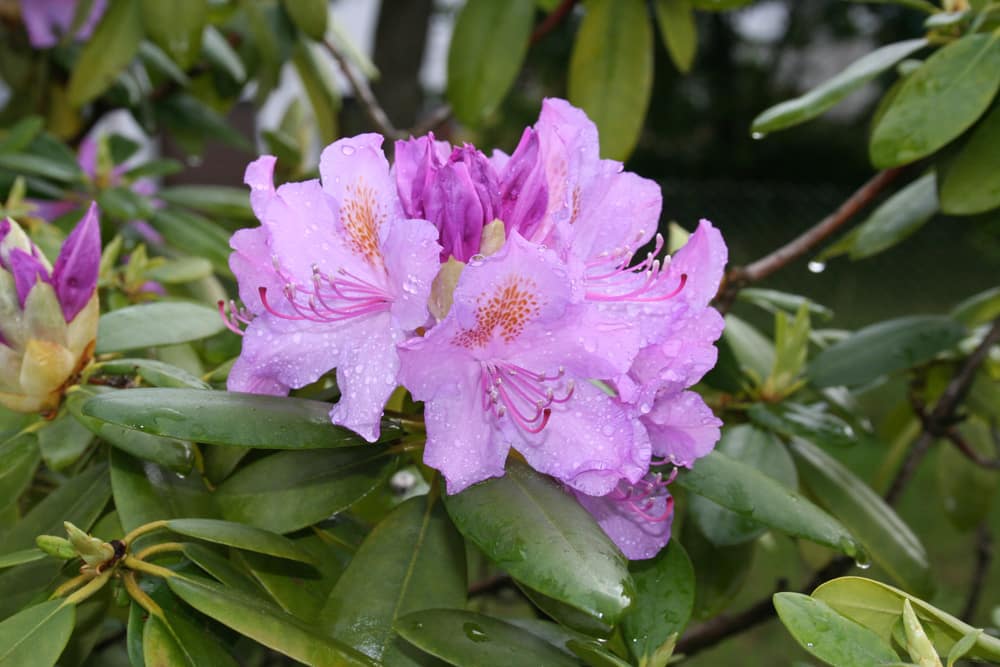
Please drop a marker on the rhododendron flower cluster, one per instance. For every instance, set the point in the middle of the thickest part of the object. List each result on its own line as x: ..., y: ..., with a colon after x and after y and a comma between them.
x: 509, y: 294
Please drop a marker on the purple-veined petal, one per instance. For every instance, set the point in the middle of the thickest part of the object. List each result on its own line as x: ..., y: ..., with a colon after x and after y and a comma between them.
x: 411, y: 255
x: 259, y: 175
x: 640, y: 528
x: 27, y: 270
x: 366, y: 371
x: 75, y: 272
x: 523, y: 190
x: 682, y: 428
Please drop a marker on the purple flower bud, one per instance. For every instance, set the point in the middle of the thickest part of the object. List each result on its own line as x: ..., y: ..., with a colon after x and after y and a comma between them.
x: 75, y: 273
x: 47, y: 20
x: 524, y: 193
x: 27, y: 270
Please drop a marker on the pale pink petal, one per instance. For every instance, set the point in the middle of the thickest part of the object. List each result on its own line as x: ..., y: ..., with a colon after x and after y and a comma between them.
x: 682, y: 428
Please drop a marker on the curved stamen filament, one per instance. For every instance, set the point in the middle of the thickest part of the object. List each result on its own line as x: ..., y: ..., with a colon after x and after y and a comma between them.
x: 524, y: 396
x: 237, y: 317
x: 328, y: 298
x: 617, y: 274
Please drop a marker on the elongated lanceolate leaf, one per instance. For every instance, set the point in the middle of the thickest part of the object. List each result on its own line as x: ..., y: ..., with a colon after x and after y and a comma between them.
x: 113, y: 45
x: 37, y: 635
x: 664, y: 589
x: 971, y: 181
x: 897, y: 218
x: 154, y: 324
x: 240, y: 536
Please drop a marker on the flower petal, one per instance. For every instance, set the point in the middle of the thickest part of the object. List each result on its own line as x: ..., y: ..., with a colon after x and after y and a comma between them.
x: 682, y: 428
x: 702, y: 259
x: 259, y: 175
x: 637, y: 537
x: 523, y: 191
x: 366, y: 375
x: 411, y: 255
x: 75, y: 272
x: 27, y: 270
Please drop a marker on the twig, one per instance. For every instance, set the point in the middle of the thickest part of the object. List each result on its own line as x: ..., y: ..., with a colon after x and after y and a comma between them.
x: 376, y: 114
x: 970, y: 453
x: 984, y: 556
x: 554, y: 18
x: 942, y: 418
x: 431, y: 121
x: 741, y: 276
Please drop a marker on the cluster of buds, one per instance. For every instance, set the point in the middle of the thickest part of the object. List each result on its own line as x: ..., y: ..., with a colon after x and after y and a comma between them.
x: 48, y: 314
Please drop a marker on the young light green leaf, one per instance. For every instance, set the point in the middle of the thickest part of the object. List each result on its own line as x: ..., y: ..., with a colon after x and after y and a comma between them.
x: 176, y: 27
x: 611, y: 71
x: 240, y: 536
x: 963, y: 77
x: 465, y: 638
x: 228, y: 418
x: 664, y: 600
x: 36, y: 636
x: 287, y: 491
x: 829, y: 636
x: 970, y: 183
x: 897, y: 218
x: 750, y: 493
x: 917, y: 644
x: 773, y: 300
x: 678, y: 30
x: 963, y: 646
x: 265, y: 623
x: 487, y: 49
x: 216, y: 200
x: 112, y: 46
x: 830, y: 92
x: 154, y: 324
x: 413, y: 560
x: 309, y: 16
x: 533, y: 529
x: 884, y: 348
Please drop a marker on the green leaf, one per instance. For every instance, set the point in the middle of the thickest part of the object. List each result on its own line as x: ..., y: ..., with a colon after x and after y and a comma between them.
x: 17, y: 137
x: 773, y: 300
x: 228, y: 573
x: 978, y: 309
x: 265, y: 623
x: 963, y: 646
x: 291, y: 490
x: 153, y: 324
x: 196, y: 235
x: 180, y: 271
x: 19, y: 458
x: 970, y: 183
x: 753, y: 447
x: 664, y: 600
x: 962, y: 77
x: 828, y: 635
x: 240, y: 536
x: 216, y: 200
x: 567, y: 616
x: 917, y: 644
x: 884, y: 536
x: 897, y: 218
x: 159, y: 646
x: 63, y: 441
x: 309, y: 16
x: 678, y: 30
x: 811, y: 422
x: 192, y: 121
x: 21, y: 557
x: 750, y: 493
x: 544, y: 538
x: 412, y: 561
x: 176, y: 27
x: 155, y: 59
x: 878, y: 606
x: 966, y: 489
x: 37, y: 165
x: 832, y: 91
x: 321, y: 90
x: 487, y: 49
x: 719, y: 5
x: 156, y: 373
x: 177, y: 455
x: 466, y: 638
x: 611, y: 71
x: 36, y: 636
x: 112, y: 46
x: 228, y: 418
x: 78, y: 500
x: 884, y: 348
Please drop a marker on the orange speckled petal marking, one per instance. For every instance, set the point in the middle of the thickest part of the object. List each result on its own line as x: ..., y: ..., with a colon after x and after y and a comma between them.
x: 508, y: 308
x: 362, y: 217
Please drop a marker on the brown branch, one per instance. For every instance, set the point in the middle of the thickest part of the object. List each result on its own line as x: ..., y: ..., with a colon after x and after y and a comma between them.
x: 554, y: 18
x: 984, y: 556
x: 376, y: 114
x: 739, y: 277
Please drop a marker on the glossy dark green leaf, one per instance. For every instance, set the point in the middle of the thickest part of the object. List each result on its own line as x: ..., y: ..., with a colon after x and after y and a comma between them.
x: 487, y: 49
x: 309, y: 16
x: 176, y: 27
x: 413, y: 560
x: 287, y: 491
x: 885, y: 537
x: 544, y: 538
x: 466, y: 638
x: 773, y: 301
x: 19, y: 457
x: 153, y: 324
x: 26, y: 584
x: 220, y: 53
x: 971, y: 181
x: 594, y: 653
x: 962, y: 76
x: 38, y: 165
x: 159, y: 646
x: 897, y: 218
x: 750, y: 493
x: 113, y: 45
x: 832, y: 91
x: 567, y: 616
x: 228, y: 418
x: 808, y: 421
x: 966, y: 489
x: 321, y: 91
x: 156, y: 373
x: 678, y: 30
x: 979, y: 308
x: 180, y: 271
x: 265, y: 623
x: 611, y: 71
x: 884, y: 348
x: 664, y: 589
x: 214, y: 200
x: 829, y: 636
x: 78, y: 500
x: 224, y: 570
x: 156, y: 60
x: 753, y: 447
x: 177, y: 455
x: 21, y: 557
x: 37, y: 635
x: 196, y: 235
x: 240, y: 536
x: 63, y: 441
x: 878, y: 607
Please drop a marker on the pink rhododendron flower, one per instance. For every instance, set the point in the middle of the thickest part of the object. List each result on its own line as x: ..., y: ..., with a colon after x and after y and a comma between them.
x: 547, y: 332
x: 48, y: 20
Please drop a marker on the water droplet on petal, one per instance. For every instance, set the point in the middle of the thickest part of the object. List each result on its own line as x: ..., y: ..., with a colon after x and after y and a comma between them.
x: 347, y: 149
